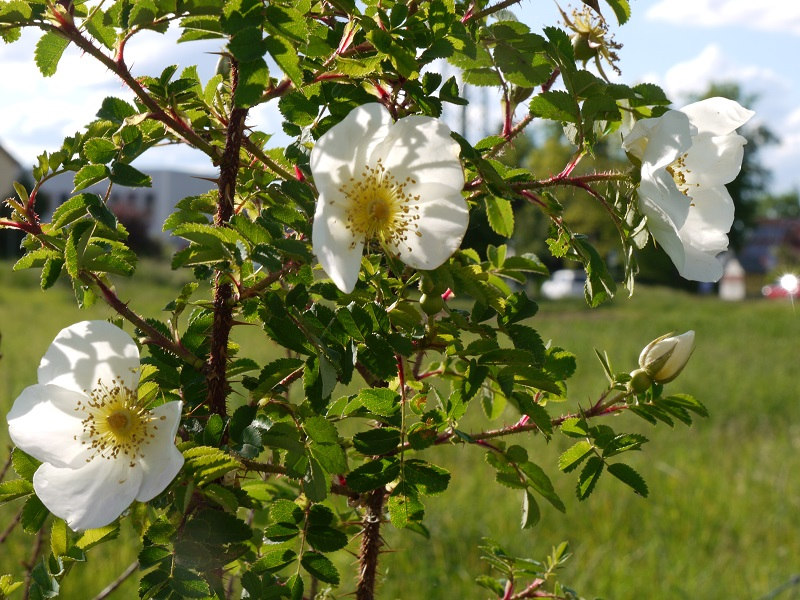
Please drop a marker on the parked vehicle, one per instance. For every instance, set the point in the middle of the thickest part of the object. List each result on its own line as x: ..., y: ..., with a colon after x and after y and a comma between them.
x: 786, y: 286
x: 564, y: 283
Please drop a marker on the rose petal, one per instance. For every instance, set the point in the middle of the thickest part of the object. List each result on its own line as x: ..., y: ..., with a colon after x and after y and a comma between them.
x: 44, y: 423
x: 709, y: 221
x: 717, y: 116
x: 336, y: 248
x: 441, y: 227
x: 347, y: 146
x: 657, y: 188
x: 420, y: 149
x: 90, y: 496
x: 699, y: 265
x: 714, y: 160
x: 87, y: 352
x: 659, y: 142
x: 160, y: 460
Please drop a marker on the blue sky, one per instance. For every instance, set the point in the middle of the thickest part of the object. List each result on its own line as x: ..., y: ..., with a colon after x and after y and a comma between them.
x: 682, y: 45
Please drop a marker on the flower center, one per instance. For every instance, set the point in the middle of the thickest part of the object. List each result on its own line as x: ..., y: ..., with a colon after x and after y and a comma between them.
x: 116, y: 422
x: 379, y: 206
x: 678, y: 171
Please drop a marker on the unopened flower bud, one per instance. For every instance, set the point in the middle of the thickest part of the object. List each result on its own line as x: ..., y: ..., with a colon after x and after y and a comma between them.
x: 664, y: 358
x: 640, y: 381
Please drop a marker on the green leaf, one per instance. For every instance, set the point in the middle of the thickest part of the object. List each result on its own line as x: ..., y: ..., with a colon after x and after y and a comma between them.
x: 427, y: 478
x: 530, y: 510
x: 59, y: 537
x: 501, y: 216
x: 216, y: 528
x: 555, y: 106
x: 153, y: 555
x: 115, y: 110
x: 321, y: 430
x: 629, y: 477
x: 330, y: 456
x: 621, y: 8
x: 380, y: 401
x: 51, y: 270
x: 93, y: 537
x: 99, y: 150
x: 89, y: 175
x: 316, y: 482
x: 589, y: 475
x: 253, y: 80
x: 541, y: 483
x: 207, y: 464
x: 126, y: 175
x: 377, y: 441
x: 373, y: 474
x: 187, y: 584
x: 247, y: 45
x: 15, y: 11
x: 325, y: 539
x: 320, y: 567
x: 73, y: 209
x: 13, y: 489
x: 286, y: 56
x: 573, y: 457
x: 274, y: 560
x: 49, y: 50
x: 34, y: 514
x: 688, y: 402
x: 24, y: 464
x: 404, y: 506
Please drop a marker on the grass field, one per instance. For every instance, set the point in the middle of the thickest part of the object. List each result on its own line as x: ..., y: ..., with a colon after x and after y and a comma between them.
x: 721, y: 521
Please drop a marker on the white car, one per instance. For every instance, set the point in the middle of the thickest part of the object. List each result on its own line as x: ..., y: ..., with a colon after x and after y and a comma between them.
x: 564, y: 283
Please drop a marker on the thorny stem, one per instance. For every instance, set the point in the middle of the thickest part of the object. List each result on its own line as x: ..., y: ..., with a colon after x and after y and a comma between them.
x: 119, y: 68
x: 581, y: 181
x: 493, y: 9
x: 112, y: 587
x: 371, y: 543
x: 217, y: 363
x: 512, y: 133
x: 266, y: 160
x: 600, y: 408
x: 154, y: 336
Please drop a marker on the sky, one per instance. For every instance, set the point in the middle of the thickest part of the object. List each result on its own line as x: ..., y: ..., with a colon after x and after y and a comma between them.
x: 681, y: 45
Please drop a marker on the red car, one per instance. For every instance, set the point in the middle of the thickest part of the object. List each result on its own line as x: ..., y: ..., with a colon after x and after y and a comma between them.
x: 787, y: 286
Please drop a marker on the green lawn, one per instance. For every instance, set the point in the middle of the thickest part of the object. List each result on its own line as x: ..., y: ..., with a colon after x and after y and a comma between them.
x: 721, y: 519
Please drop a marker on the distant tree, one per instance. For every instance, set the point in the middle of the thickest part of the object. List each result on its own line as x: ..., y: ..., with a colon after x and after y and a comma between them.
x: 780, y: 206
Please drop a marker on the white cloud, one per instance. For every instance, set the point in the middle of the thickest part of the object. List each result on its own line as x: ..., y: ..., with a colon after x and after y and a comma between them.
x: 38, y: 112
x: 765, y: 15
x: 711, y: 65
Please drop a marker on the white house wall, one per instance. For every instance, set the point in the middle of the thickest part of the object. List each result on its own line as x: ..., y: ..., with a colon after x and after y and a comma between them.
x: 159, y: 200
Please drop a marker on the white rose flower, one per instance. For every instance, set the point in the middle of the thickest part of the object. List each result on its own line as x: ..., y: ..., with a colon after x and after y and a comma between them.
x: 398, y: 183
x: 687, y: 158
x: 100, y: 447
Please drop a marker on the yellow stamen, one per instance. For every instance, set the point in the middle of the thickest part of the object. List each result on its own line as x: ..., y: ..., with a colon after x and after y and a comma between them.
x: 116, y: 423
x: 677, y: 169
x: 379, y: 206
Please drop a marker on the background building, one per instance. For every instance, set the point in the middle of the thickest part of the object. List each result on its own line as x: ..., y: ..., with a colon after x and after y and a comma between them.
x: 142, y: 210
